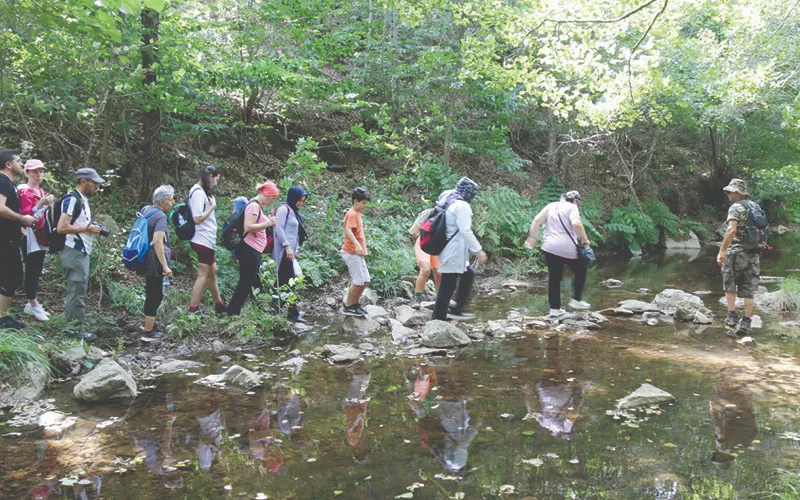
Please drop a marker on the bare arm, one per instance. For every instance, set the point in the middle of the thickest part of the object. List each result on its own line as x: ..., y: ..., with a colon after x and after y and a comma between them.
x: 66, y: 227
x: 212, y: 204
x: 730, y: 233
x: 251, y: 226
x: 583, y: 238
x: 349, y: 232
x: 7, y: 213
x: 536, y: 223
x: 158, y: 245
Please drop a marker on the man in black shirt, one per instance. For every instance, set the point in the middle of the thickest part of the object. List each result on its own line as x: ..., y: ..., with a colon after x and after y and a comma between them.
x: 11, y: 224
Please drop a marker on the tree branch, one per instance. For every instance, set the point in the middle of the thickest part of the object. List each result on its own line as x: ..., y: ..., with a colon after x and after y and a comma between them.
x: 633, y: 50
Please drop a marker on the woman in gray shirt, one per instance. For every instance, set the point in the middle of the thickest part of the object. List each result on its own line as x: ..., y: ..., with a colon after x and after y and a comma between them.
x: 289, y: 234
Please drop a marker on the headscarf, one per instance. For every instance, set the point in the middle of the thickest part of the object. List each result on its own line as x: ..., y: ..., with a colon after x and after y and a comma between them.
x: 295, y: 194
x: 466, y: 189
x: 571, y: 196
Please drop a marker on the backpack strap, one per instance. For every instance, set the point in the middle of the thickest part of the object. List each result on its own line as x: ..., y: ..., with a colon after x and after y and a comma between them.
x: 78, y: 206
x: 189, y: 198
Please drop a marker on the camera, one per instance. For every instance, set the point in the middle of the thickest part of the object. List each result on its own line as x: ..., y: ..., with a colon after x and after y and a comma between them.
x: 104, y: 232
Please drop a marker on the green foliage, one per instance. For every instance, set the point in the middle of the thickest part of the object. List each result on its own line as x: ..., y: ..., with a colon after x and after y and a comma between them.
x: 391, y: 255
x: 780, y: 187
x: 710, y: 487
x: 631, y: 229
x: 791, y: 291
x: 303, y: 166
x: 16, y: 351
x: 661, y: 216
x: 549, y: 193
x: 592, y: 216
x: 433, y: 178
x: 502, y: 218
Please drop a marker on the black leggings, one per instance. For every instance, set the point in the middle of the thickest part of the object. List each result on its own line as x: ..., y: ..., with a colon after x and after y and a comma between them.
x: 447, y: 286
x: 555, y: 272
x: 285, y: 273
x: 249, y: 276
x: 153, y: 294
x: 34, y: 263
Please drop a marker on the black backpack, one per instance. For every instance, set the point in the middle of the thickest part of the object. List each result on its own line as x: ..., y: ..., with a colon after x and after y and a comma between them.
x: 182, y: 218
x: 233, y: 229
x: 55, y: 240
x: 756, y: 230
x: 433, y: 230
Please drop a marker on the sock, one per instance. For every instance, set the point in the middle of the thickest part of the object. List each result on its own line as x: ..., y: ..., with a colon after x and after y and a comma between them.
x: 746, y: 318
x: 193, y: 308
x: 418, y: 294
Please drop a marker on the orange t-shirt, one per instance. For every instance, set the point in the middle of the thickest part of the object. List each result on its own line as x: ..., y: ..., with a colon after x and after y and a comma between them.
x: 352, y: 219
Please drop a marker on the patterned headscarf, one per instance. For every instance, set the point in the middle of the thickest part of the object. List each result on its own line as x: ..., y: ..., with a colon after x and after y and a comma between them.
x: 571, y: 196
x: 466, y: 189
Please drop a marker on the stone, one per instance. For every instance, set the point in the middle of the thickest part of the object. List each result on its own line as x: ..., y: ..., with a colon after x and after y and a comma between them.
x: 95, y: 354
x: 217, y: 346
x: 249, y: 357
x: 686, y: 310
x: 359, y: 326
x: 499, y: 329
x: 612, y: 283
x: 55, y: 423
x: 400, y: 333
x: 236, y: 376
x: 426, y: 351
x: 597, y: 317
x: 645, y: 395
x: 790, y: 324
x: 297, y: 362
x: 702, y: 292
x: 369, y: 297
x: 746, y: 341
x: 780, y: 229
x: 108, y: 380
x: 477, y: 336
x: 442, y: 334
x: 340, y: 353
x: 223, y: 359
x: 330, y: 302
x: 366, y: 346
x: 652, y: 322
x: 177, y: 365
x: 636, y: 306
x: 668, y: 299
x: 375, y: 312
x: 26, y: 388
x: 650, y: 314
x: 76, y: 354
x: 756, y: 321
x: 643, y: 291
x: 690, y: 242
x: 536, y: 324
x: 411, y: 317
x: 701, y: 319
x: 509, y: 284
x: 587, y: 325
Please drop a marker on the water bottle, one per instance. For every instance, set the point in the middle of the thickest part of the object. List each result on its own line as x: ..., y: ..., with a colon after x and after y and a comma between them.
x: 165, y: 285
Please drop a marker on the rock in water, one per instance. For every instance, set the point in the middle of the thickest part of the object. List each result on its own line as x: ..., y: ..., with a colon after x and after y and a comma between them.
x: 411, y: 317
x: 177, y: 365
x: 399, y: 332
x: 340, y: 353
x: 686, y: 310
x: 612, y: 283
x: 644, y: 396
x: 701, y: 319
x: 236, y: 376
x: 637, y: 306
x: 375, y: 312
x: 29, y: 387
x: 108, y: 380
x: 669, y: 298
x: 359, y: 326
x: 692, y: 242
x: 439, y: 333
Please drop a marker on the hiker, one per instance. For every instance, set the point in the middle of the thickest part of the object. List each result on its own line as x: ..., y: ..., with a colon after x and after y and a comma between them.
x: 454, y: 259
x: 289, y: 234
x: 11, y: 224
x: 250, y: 250
x: 741, y: 269
x: 426, y: 263
x: 34, y: 201
x: 563, y: 231
x: 158, y: 257
x: 77, y: 224
x: 203, y: 206
x: 354, y: 250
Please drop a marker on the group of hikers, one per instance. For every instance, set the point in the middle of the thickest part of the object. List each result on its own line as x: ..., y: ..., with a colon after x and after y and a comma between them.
x: 33, y: 222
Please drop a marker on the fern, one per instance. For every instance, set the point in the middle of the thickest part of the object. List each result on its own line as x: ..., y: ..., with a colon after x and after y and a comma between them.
x: 549, y: 193
x: 502, y: 218
x: 662, y: 217
x: 592, y: 216
x: 631, y: 228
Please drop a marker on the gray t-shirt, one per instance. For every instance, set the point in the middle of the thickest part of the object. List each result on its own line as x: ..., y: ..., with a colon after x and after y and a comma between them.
x: 157, y: 222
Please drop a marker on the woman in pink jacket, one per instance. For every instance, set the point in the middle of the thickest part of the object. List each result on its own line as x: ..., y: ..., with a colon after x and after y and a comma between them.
x: 34, y: 201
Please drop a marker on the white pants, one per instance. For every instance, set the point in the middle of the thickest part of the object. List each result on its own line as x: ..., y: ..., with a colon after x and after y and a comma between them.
x: 357, y: 266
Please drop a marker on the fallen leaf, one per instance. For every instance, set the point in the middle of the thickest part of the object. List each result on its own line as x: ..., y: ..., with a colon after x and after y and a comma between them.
x: 528, y: 433
x: 536, y: 462
x: 405, y: 495
x: 551, y: 455
x: 670, y: 445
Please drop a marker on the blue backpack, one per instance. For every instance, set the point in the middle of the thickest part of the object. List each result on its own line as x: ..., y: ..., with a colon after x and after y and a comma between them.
x: 138, y: 243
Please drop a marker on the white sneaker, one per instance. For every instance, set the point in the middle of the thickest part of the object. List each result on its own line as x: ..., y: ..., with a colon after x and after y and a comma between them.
x: 557, y: 313
x: 579, y: 304
x: 37, y: 312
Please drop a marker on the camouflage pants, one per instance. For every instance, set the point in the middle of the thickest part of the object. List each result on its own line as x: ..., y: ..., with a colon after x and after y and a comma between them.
x: 741, y: 274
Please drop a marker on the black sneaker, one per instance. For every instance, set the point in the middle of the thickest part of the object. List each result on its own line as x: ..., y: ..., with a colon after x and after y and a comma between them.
x: 745, y: 328
x: 153, y: 334
x: 221, y: 309
x: 298, y: 318
x: 354, y: 311
x: 362, y: 311
x: 462, y: 315
x: 732, y: 320
x: 9, y: 323
x: 86, y: 336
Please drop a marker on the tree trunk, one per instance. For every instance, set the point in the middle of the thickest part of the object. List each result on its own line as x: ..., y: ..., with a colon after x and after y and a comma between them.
x: 712, y: 132
x: 552, y: 141
x: 151, y: 120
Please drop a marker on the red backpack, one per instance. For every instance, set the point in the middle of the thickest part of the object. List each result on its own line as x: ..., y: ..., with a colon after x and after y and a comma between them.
x: 433, y: 230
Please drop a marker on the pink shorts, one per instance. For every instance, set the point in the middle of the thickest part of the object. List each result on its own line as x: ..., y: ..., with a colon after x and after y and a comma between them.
x: 423, y: 258
x: 205, y: 255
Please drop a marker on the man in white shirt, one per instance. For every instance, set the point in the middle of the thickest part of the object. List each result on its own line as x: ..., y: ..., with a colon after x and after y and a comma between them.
x: 76, y: 223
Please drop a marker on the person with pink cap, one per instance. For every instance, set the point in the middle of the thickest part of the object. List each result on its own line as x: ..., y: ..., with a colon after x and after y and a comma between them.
x: 34, y: 201
x: 251, y: 249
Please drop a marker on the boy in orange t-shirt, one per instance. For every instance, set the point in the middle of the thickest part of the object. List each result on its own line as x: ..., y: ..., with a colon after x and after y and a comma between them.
x: 353, y: 251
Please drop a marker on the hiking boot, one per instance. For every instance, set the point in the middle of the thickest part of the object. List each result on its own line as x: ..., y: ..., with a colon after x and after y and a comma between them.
x: 462, y: 315
x: 732, y: 320
x: 9, y: 323
x: 86, y: 336
x: 354, y: 311
x: 153, y: 334
x: 745, y: 328
x: 37, y: 312
x: 416, y: 303
x: 557, y: 313
x: 579, y: 304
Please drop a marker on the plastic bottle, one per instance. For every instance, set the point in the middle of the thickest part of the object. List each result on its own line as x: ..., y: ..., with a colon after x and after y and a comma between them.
x: 165, y: 285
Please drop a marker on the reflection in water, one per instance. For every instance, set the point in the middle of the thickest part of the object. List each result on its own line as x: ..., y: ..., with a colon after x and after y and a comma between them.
x: 355, y: 411
x: 556, y: 402
x: 450, y: 447
x: 289, y: 412
x: 734, y: 419
x: 148, y: 444
x: 262, y: 442
x: 210, y: 435
x: 425, y: 381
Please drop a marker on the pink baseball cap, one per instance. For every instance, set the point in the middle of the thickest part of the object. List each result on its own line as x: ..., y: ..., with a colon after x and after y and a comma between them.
x: 34, y: 165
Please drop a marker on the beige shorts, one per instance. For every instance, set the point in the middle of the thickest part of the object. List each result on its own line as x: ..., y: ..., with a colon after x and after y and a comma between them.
x: 423, y: 258
x: 357, y: 267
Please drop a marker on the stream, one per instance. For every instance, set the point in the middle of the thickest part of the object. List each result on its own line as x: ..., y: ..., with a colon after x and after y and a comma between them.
x: 526, y: 416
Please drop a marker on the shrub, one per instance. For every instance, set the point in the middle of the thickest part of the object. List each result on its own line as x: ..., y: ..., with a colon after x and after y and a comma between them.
x: 16, y: 351
x: 433, y: 178
x: 631, y: 229
x: 502, y: 218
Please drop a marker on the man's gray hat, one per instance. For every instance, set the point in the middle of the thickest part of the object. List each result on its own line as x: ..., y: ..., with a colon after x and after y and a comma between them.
x: 737, y: 186
x: 89, y: 173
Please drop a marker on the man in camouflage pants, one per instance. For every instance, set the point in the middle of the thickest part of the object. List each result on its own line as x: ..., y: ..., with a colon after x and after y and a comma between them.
x: 740, y: 269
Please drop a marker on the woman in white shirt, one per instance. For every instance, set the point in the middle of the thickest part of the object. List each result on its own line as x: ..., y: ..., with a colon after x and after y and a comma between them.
x: 204, y: 242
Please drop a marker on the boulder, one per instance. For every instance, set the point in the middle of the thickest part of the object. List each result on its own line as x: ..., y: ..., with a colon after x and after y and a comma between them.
x: 411, y: 317
x: 426, y: 351
x: 95, y: 354
x: 612, y: 283
x: 177, y: 365
x: 108, y: 380
x: 686, y: 310
x: 405, y: 289
x: 340, y: 353
x: 701, y: 319
x: 442, y: 334
x: 645, y: 395
x: 779, y: 229
x: 376, y: 312
x: 636, y: 306
x: 400, y: 333
x: 668, y: 299
x: 236, y: 376
x: 27, y: 388
x: 369, y: 297
x: 690, y: 242
x: 359, y: 326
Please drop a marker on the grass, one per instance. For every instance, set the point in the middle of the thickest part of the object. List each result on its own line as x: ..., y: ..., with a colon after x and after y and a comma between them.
x: 791, y: 292
x: 16, y: 351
